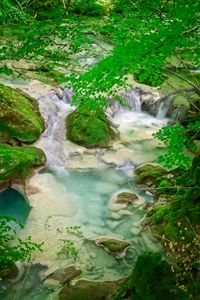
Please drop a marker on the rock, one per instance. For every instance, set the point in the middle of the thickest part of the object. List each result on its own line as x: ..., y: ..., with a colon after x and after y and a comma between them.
x: 112, y: 245
x: 135, y: 230
x: 125, y: 212
x: 89, y: 127
x: 148, y: 173
x: 65, y: 275
x: 179, y: 108
x: 19, y: 115
x: 123, y: 199
x: 84, y: 161
x: 126, y: 198
x: 90, y: 290
x: 17, y: 162
x: 120, y: 157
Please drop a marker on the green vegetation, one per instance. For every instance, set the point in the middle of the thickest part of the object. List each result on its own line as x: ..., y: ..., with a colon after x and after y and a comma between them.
x: 12, y: 248
x: 152, y: 279
x: 150, y: 40
x: 19, y: 116
x: 17, y: 162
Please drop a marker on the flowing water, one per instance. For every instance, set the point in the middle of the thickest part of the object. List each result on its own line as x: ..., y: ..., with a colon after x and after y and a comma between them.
x: 76, y: 188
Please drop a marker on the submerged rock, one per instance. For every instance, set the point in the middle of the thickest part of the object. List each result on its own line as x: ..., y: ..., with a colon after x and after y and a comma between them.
x: 19, y: 115
x: 16, y: 162
x: 89, y: 127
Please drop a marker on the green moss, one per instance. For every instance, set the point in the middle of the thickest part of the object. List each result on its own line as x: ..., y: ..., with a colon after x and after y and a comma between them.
x: 89, y: 127
x: 115, y: 246
x: 148, y: 172
x: 19, y: 115
x: 18, y: 161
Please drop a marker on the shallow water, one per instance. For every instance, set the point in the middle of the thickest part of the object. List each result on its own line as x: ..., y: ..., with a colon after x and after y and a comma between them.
x: 80, y: 195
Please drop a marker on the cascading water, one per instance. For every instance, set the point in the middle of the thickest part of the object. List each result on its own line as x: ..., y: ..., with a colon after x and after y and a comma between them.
x: 82, y: 196
x: 54, y: 108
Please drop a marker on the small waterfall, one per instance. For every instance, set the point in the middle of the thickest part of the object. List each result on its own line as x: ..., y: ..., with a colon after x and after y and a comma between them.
x: 162, y: 110
x: 54, y: 107
x: 132, y: 102
x: 164, y: 106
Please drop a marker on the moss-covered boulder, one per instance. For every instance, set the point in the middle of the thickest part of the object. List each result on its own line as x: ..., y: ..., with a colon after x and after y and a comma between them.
x: 91, y: 290
x: 16, y: 162
x: 149, y: 173
x: 126, y: 198
x: 89, y: 127
x: 19, y: 116
x: 112, y: 245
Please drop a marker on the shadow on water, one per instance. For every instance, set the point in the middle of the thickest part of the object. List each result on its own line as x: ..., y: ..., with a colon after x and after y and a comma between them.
x: 13, y: 204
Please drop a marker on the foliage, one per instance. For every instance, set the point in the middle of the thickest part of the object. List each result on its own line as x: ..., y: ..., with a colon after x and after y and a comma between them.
x: 142, y: 41
x: 184, y: 254
x: 176, y: 138
x: 9, y: 12
x: 13, y: 248
x: 151, y: 279
x: 69, y: 244
x: 87, y: 7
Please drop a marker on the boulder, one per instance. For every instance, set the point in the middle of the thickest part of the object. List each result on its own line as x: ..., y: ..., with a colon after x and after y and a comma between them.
x: 65, y: 275
x: 89, y: 127
x: 19, y: 115
x: 148, y: 174
x: 123, y: 199
x: 16, y: 162
x: 90, y: 290
x: 113, y: 245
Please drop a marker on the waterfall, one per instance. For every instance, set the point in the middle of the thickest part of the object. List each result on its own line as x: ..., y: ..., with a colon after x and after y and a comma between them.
x: 54, y: 107
x: 164, y: 106
x: 132, y: 102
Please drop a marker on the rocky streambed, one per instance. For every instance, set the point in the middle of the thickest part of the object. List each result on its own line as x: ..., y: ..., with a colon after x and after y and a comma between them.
x: 85, y: 205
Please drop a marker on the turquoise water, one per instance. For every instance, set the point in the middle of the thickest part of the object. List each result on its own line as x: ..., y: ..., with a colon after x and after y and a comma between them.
x: 90, y: 192
x: 13, y: 204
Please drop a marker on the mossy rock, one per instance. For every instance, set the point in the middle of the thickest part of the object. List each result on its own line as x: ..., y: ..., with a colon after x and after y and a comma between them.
x: 89, y: 127
x: 114, y: 246
x: 18, y: 161
x: 149, y: 173
x: 19, y: 115
x: 91, y: 290
x: 180, y: 100
x: 126, y: 198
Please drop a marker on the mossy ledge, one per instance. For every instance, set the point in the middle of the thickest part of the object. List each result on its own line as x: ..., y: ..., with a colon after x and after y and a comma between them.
x: 16, y: 162
x: 20, y: 117
x: 89, y: 127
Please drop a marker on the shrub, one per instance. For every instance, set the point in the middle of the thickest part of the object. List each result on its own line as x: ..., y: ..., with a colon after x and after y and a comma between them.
x: 87, y: 7
x: 12, y: 248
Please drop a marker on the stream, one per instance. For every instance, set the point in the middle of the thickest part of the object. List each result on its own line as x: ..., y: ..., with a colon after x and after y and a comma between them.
x: 76, y: 188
